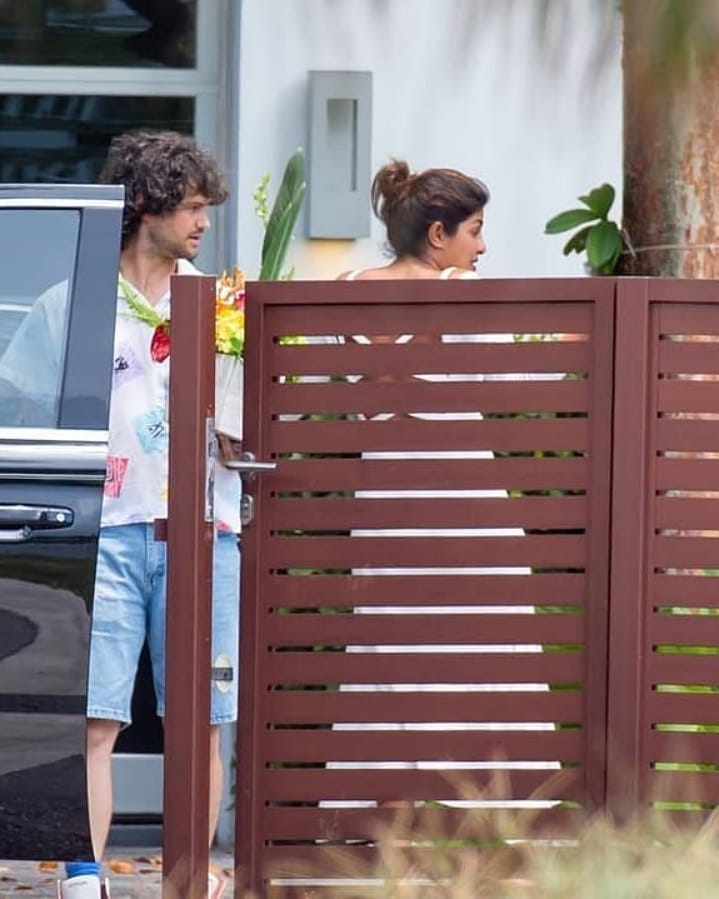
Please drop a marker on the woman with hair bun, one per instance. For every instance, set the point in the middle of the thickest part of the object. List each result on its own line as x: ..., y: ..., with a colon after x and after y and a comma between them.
x: 434, y: 222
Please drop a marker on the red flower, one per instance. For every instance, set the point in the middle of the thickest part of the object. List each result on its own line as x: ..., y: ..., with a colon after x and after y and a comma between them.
x: 160, y: 343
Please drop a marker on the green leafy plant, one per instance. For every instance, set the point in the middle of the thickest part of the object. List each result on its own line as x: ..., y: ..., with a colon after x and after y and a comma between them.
x: 279, y: 221
x: 602, y: 239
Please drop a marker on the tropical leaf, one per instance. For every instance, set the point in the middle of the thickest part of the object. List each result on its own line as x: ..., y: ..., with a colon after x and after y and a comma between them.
x: 599, y: 200
x: 568, y: 219
x: 577, y: 243
x: 283, y: 217
x: 604, y: 246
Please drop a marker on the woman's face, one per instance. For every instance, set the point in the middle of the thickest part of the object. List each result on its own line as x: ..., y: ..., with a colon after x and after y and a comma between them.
x: 466, y: 245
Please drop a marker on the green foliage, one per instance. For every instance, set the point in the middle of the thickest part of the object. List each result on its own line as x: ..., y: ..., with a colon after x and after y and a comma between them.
x: 280, y: 221
x: 261, y: 196
x: 598, y: 236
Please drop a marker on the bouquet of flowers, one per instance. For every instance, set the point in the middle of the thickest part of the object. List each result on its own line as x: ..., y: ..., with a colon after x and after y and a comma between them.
x: 230, y: 346
x: 229, y: 317
x: 230, y: 313
x: 229, y: 343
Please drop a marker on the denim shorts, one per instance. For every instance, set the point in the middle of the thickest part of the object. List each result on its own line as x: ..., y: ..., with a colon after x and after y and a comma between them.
x: 129, y: 607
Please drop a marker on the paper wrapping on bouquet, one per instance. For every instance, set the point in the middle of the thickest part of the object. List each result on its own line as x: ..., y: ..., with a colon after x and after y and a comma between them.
x: 228, y: 395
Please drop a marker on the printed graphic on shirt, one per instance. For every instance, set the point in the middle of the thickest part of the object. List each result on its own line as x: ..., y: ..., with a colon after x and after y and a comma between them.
x: 126, y: 365
x: 151, y: 430
x: 116, y: 468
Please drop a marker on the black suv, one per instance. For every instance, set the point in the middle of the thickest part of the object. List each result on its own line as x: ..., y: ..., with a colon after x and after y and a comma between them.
x: 59, y: 248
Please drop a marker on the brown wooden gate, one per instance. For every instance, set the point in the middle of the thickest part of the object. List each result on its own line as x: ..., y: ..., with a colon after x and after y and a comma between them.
x: 663, y: 722
x: 426, y: 579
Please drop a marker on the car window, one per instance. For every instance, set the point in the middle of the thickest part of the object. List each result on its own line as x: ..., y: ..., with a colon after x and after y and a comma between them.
x: 39, y: 252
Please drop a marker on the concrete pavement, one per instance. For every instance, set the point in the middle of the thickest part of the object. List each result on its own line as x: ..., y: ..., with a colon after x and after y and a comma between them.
x: 134, y: 872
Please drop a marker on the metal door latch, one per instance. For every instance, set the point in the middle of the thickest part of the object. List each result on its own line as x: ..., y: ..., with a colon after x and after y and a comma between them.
x: 247, y: 509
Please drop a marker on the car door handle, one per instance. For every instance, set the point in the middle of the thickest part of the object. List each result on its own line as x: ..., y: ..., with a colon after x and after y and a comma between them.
x: 25, y: 519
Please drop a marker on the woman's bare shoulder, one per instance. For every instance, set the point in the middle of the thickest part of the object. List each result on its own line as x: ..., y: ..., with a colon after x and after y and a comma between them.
x: 366, y: 274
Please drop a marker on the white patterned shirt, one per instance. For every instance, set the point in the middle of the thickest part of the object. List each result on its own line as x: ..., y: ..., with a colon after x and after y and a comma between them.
x: 137, y: 465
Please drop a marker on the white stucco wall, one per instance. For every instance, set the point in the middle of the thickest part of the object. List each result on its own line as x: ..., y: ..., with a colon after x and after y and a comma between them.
x: 538, y: 127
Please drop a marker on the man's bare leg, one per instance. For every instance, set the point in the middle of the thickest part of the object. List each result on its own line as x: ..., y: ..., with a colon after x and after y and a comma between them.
x: 101, y: 738
x: 216, y: 779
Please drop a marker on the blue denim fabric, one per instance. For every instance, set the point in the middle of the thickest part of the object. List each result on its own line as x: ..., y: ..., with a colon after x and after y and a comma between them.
x: 129, y: 605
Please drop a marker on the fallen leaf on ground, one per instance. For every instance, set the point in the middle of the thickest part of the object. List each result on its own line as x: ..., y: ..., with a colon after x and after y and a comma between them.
x: 121, y: 866
x: 149, y: 860
x: 48, y: 866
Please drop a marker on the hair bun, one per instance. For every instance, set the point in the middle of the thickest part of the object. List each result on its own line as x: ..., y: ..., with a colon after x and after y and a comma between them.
x: 389, y: 184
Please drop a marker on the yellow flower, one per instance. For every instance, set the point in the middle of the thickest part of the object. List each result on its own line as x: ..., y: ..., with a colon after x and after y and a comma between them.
x: 230, y: 313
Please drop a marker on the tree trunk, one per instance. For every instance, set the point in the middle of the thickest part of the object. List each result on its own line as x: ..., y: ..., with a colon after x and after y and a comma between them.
x: 671, y: 152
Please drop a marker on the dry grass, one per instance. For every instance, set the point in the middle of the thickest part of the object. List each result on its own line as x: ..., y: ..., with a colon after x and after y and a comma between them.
x: 648, y: 859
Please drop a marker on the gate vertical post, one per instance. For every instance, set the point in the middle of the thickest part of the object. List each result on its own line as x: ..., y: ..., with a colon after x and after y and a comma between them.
x: 249, y: 809
x: 632, y: 472
x: 189, y: 589
x: 598, y: 541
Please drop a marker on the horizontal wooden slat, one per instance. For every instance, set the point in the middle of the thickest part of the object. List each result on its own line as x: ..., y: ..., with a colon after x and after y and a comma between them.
x: 437, y: 318
x: 682, y: 708
x: 687, y: 435
x: 525, y: 746
x: 291, y: 861
x: 687, y: 396
x: 416, y: 357
x: 324, y: 475
x: 339, y: 590
x: 682, y: 513
x: 688, y: 474
x: 683, y: 786
x: 306, y: 785
x: 450, y: 398
x: 327, y: 707
x: 688, y: 357
x: 684, y: 590
x: 416, y: 629
x: 690, y: 318
x: 379, y: 551
x: 340, y: 513
x: 684, y: 629
x: 399, y: 667
x: 686, y: 552
x: 695, y: 748
x: 419, y: 824
x: 682, y: 668
x: 517, y: 434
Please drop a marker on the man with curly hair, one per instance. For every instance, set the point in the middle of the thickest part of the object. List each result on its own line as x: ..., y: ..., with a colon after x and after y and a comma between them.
x: 170, y: 183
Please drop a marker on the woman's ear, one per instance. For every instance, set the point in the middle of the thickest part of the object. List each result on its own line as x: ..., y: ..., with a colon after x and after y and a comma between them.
x: 436, y: 235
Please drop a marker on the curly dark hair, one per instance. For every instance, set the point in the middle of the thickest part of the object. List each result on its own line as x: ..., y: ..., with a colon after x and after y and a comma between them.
x: 408, y: 203
x: 157, y: 168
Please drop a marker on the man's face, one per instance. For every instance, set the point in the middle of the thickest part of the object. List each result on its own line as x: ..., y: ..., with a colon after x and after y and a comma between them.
x: 177, y: 234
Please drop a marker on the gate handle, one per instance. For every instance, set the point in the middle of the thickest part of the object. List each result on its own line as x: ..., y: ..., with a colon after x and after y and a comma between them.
x: 248, y: 466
